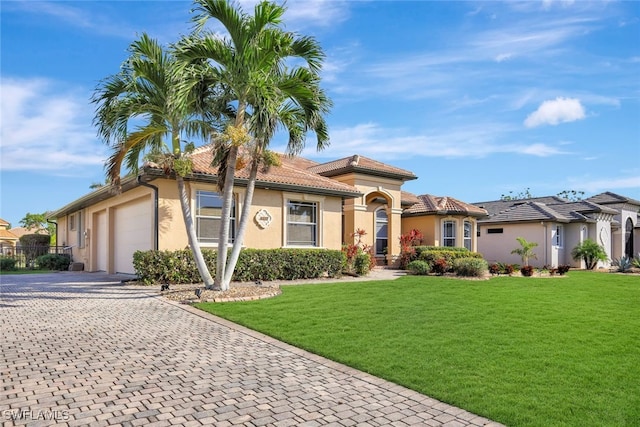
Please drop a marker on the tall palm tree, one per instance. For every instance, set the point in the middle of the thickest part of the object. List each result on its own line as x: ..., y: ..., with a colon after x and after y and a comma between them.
x: 140, y: 112
x: 251, y: 68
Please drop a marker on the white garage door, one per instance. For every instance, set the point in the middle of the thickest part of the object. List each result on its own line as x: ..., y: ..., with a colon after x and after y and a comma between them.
x: 132, y: 232
x: 101, y: 242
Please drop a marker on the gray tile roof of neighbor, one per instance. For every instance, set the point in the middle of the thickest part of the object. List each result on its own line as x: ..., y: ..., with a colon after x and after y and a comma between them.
x: 608, y: 198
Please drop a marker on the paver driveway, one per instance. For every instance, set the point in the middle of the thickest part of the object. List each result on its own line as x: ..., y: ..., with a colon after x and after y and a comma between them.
x: 85, y: 349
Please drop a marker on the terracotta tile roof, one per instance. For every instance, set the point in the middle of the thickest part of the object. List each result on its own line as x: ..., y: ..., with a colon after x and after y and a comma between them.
x: 361, y: 164
x: 293, y: 171
x: 7, y: 235
x: 408, y: 199
x: 429, y: 204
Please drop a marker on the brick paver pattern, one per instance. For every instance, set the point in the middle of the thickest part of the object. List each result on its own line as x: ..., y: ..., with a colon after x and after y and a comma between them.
x: 83, y: 349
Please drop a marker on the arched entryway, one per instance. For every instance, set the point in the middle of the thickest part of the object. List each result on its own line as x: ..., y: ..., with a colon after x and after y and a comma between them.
x: 628, y: 239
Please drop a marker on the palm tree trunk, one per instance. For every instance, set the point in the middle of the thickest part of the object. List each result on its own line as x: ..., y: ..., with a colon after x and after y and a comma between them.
x: 223, y: 239
x: 242, y: 225
x: 191, y: 234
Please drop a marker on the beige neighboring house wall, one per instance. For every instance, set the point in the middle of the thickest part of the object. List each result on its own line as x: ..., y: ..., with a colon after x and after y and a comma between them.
x: 8, y: 240
x: 556, y: 224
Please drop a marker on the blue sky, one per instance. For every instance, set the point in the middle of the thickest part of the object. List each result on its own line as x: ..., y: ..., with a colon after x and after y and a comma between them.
x: 476, y: 98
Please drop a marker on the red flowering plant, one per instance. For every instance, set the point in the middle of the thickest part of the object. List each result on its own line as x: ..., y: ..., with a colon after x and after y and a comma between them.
x: 408, y: 242
x: 360, y: 257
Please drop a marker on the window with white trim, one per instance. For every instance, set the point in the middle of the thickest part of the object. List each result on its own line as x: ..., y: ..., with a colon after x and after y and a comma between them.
x: 302, y: 223
x: 557, y: 237
x: 382, y: 232
x: 208, y: 217
x: 449, y: 233
x: 468, y: 230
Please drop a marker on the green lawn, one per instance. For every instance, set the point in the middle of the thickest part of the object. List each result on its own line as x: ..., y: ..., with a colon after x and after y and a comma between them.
x: 521, y: 351
x: 24, y: 271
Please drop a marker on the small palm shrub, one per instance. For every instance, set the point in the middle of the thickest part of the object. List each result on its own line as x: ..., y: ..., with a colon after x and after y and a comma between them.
x: 421, y: 268
x: 470, y: 267
x: 590, y: 252
x: 563, y: 269
x: 636, y: 261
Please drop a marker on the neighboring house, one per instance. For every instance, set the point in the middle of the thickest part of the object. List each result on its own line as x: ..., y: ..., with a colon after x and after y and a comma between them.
x: 8, y: 240
x: 557, y: 225
x: 299, y: 203
x: 443, y: 221
x: 626, y: 230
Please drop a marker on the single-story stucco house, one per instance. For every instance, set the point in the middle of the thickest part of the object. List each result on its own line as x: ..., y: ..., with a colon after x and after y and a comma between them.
x: 299, y: 203
x: 558, y: 225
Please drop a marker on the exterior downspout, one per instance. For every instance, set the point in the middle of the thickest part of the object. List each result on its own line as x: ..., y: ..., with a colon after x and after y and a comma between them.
x: 155, y: 210
x: 546, y: 258
x: 56, y: 224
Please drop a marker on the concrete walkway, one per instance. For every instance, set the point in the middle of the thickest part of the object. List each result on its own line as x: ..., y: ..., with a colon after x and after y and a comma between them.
x: 86, y: 349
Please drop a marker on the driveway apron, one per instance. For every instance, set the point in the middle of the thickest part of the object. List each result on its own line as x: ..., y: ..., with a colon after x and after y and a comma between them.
x: 88, y: 349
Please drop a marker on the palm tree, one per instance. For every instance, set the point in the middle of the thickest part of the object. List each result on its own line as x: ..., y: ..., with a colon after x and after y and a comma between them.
x: 144, y: 94
x: 590, y: 252
x: 525, y: 250
x: 264, y: 94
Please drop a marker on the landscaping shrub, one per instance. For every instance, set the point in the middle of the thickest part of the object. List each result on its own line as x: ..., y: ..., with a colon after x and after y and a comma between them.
x: 527, y: 271
x: 362, y: 264
x: 440, y: 266
x: 494, y: 269
x: 7, y: 264
x: 432, y: 253
x: 622, y: 264
x: 34, y: 245
x: 253, y: 264
x: 563, y: 269
x: 58, y: 262
x: 470, y: 267
x: 354, y: 255
x: 408, y: 244
x: 421, y: 268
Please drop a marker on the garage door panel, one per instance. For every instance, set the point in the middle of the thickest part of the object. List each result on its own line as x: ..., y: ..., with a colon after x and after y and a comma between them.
x: 132, y: 232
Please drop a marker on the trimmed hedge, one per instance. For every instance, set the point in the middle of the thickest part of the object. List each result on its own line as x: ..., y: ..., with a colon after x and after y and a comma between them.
x: 421, y: 268
x: 58, y: 262
x: 7, y: 263
x: 470, y: 267
x: 253, y: 264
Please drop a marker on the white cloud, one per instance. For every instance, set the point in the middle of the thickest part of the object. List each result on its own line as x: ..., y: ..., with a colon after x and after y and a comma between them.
x: 553, y: 112
x: 591, y: 185
x: 45, y: 129
x: 503, y: 57
x: 375, y: 141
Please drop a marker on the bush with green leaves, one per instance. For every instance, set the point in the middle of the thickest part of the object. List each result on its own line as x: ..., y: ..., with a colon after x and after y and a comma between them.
x: 440, y: 266
x: 421, y: 268
x: 470, y: 267
x: 590, y: 252
x: 7, y: 263
x: 57, y: 262
x: 34, y: 245
x: 636, y: 261
x: 253, y: 264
